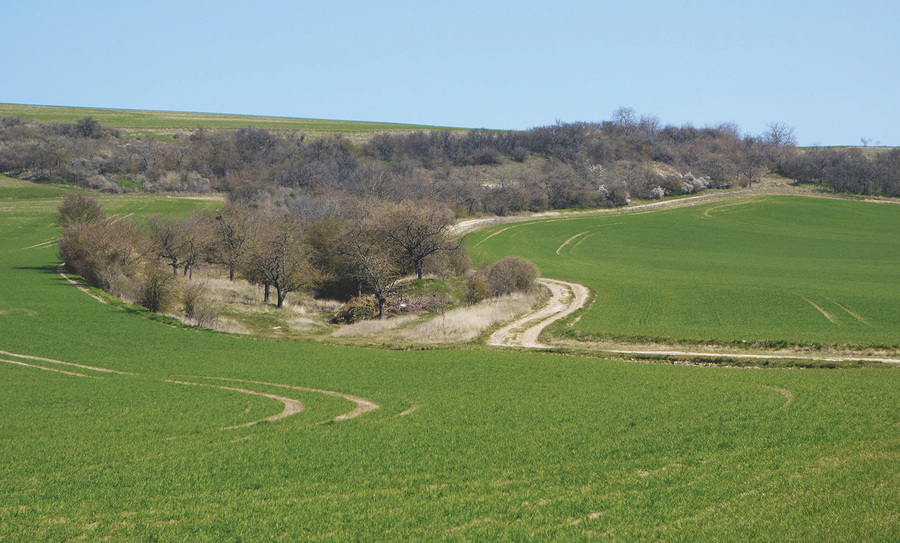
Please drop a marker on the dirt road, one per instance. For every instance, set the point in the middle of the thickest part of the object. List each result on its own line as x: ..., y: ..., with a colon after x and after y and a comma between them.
x: 566, y: 298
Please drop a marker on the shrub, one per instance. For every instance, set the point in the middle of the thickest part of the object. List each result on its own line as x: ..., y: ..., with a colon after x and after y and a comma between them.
x: 357, y: 309
x: 510, y: 275
x: 196, y: 305
x: 476, y: 291
x: 78, y: 208
x: 155, y: 290
x: 191, y: 297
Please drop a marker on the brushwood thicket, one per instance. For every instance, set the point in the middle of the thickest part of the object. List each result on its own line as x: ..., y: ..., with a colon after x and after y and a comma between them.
x: 561, y: 166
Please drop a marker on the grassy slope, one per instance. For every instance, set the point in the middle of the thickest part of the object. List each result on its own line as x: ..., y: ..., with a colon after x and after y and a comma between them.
x: 503, y: 445
x: 165, y: 121
x: 744, y: 270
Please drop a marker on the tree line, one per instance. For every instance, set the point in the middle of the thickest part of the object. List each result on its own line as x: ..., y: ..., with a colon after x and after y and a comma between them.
x: 560, y: 166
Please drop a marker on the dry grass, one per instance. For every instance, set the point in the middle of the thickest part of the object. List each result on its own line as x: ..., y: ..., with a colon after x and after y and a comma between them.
x: 467, y: 323
x: 372, y: 327
x: 458, y: 325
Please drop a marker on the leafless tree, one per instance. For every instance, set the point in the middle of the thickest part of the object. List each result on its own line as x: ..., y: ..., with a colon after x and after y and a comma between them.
x: 230, y: 235
x: 419, y: 229
x: 279, y: 256
x: 166, y: 238
x: 371, y: 259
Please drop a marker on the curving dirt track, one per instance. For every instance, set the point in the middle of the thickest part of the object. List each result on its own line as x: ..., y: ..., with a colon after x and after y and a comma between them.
x: 566, y: 298
x: 291, y: 406
x: 363, y: 405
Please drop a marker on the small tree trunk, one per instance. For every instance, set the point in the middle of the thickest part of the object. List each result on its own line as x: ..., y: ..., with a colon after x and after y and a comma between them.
x: 231, y: 272
x: 266, y: 293
x: 381, y: 301
x: 419, y: 266
x: 279, y: 296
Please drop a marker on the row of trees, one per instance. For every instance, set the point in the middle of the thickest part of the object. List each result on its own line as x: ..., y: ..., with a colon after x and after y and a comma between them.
x: 274, y: 249
x: 872, y: 172
x: 472, y: 172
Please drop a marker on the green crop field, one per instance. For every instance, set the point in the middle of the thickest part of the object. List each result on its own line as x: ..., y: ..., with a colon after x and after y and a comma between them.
x: 167, y: 121
x: 778, y: 269
x: 466, y: 444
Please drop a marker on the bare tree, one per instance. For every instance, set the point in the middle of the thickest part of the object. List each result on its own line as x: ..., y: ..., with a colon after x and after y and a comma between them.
x: 419, y: 230
x: 372, y: 260
x: 195, y: 239
x: 230, y: 235
x: 780, y: 135
x: 166, y: 240
x: 278, y: 256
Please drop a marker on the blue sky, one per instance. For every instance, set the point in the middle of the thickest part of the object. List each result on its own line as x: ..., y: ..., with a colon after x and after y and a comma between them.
x: 830, y: 69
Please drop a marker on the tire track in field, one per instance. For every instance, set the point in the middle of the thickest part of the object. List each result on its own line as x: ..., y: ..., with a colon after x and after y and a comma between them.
x: 291, y: 406
x: 363, y: 405
x: 740, y: 356
x: 495, y: 233
x: 61, y: 269
x: 788, y: 395
x: 54, y: 361
x: 48, y: 369
x: 852, y: 314
x: 41, y: 245
x: 568, y: 241
x: 822, y: 311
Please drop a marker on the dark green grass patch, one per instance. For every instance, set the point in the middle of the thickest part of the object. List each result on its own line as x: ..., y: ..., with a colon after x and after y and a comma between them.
x: 784, y: 270
x: 17, y: 188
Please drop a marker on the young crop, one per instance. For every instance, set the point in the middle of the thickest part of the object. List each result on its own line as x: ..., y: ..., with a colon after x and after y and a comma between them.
x: 466, y: 444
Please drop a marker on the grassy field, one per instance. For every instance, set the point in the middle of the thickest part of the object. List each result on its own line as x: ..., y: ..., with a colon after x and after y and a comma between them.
x: 467, y: 444
x: 778, y: 269
x: 171, y: 121
x: 11, y: 188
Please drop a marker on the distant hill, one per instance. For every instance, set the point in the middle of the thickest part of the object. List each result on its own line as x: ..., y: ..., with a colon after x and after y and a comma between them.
x: 168, y: 122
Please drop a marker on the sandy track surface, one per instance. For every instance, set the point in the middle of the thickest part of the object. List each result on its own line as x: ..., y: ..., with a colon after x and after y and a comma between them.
x: 470, y: 225
x: 362, y: 405
x: 53, y: 361
x: 699, y: 354
x: 291, y: 406
x: 61, y: 269
x: 566, y: 298
x: 16, y: 362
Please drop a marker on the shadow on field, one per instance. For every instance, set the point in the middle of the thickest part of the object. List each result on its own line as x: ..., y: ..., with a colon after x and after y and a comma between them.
x: 49, y: 269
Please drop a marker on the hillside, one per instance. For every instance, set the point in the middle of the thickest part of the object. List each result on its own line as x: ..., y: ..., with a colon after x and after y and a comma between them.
x: 138, y: 122
x: 150, y: 431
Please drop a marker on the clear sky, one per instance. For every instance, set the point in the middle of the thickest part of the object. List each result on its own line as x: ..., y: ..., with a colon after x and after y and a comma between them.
x: 830, y: 69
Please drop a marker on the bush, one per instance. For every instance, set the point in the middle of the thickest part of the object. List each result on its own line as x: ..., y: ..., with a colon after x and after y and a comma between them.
x: 155, y: 290
x: 78, y: 208
x: 357, y: 309
x: 191, y: 297
x: 101, y: 250
x: 476, y: 291
x: 510, y: 275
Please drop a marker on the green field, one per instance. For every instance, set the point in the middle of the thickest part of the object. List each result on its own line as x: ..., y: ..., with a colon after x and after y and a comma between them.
x: 467, y: 444
x: 783, y: 269
x: 11, y: 188
x: 168, y: 121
